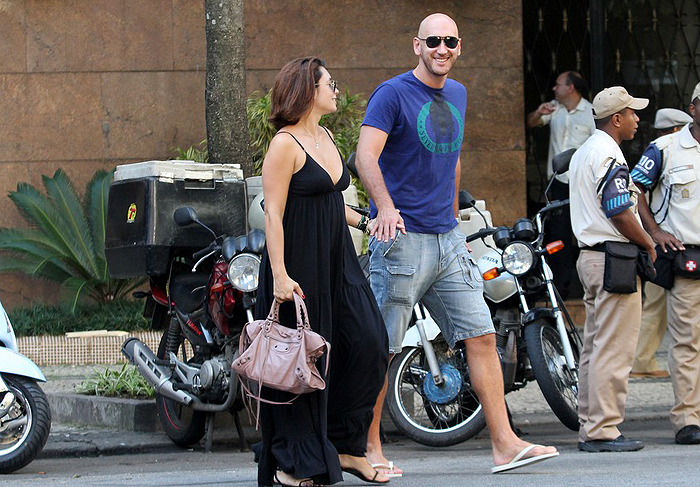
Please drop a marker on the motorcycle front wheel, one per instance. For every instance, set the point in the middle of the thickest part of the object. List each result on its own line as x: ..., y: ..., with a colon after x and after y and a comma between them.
x: 183, y: 425
x: 25, y: 428
x: 558, y: 383
x: 433, y: 418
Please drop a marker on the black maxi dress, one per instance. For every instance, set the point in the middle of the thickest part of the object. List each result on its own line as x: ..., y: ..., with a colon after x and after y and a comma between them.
x: 304, y: 438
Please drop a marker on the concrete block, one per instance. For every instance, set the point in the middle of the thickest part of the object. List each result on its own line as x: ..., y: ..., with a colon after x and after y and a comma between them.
x: 105, y: 412
x: 148, y: 114
x: 102, y: 35
x: 50, y: 117
x: 13, y: 50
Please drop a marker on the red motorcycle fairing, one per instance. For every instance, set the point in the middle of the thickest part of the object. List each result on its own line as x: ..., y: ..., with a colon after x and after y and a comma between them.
x: 222, y: 297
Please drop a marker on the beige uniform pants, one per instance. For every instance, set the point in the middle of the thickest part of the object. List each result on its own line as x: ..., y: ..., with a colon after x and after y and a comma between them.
x: 609, y: 341
x: 683, y: 302
x: 653, y: 328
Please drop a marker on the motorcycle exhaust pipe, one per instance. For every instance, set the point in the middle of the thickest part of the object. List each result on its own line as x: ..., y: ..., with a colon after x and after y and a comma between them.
x: 158, y: 376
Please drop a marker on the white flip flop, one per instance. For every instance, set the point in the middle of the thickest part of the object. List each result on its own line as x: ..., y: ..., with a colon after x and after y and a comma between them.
x: 518, y: 460
x: 389, y: 467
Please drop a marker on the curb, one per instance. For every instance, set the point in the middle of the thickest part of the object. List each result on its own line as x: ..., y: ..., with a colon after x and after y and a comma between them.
x: 104, y: 412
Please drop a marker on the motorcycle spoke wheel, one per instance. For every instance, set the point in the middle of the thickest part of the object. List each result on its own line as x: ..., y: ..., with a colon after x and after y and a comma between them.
x: 558, y: 383
x: 422, y: 419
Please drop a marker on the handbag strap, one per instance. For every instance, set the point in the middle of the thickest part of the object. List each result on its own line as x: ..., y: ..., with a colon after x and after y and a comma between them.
x: 302, y: 313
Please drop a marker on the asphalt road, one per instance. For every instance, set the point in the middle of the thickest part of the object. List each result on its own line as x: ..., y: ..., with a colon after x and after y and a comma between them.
x: 660, y: 463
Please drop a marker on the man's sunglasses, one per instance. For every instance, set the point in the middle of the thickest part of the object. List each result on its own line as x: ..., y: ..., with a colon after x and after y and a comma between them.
x: 333, y: 84
x: 434, y: 41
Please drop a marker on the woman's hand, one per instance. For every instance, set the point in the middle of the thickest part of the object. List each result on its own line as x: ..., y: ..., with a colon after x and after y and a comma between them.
x: 284, y: 288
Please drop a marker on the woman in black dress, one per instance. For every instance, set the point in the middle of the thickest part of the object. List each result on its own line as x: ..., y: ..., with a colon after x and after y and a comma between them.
x: 310, y: 252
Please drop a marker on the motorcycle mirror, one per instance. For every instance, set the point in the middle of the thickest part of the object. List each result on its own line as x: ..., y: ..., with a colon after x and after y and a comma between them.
x: 350, y: 163
x: 185, y: 216
x: 466, y: 200
x: 228, y: 248
x: 256, y: 241
x: 560, y: 162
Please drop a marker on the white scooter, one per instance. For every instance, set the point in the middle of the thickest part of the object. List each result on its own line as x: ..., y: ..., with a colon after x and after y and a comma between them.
x: 25, y: 417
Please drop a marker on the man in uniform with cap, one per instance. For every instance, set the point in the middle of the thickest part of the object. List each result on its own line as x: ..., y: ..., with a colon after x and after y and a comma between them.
x: 670, y: 170
x: 604, y: 210
x: 654, y: 323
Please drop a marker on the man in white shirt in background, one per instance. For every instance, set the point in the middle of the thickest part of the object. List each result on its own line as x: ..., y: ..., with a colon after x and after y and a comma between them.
x: 570, y: 118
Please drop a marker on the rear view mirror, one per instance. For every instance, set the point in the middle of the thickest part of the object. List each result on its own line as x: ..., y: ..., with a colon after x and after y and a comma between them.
x: 185, y: 216
x: 560, y: 162
x: 466, y: 200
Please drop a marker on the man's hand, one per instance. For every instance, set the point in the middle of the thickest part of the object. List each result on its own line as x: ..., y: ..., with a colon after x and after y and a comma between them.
x: 546, y: 108
x: 386, y: 223
x: 664, y: 238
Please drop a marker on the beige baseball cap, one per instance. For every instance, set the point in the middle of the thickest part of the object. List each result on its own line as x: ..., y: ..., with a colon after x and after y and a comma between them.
x: 667, y: 118
x: 615, y: 99
x: 696, y: 93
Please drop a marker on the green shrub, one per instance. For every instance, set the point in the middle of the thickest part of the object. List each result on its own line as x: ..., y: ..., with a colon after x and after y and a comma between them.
x: 125, y: 382
x: 192, y: 153
x: 65, y: 241
x: 57, y: 320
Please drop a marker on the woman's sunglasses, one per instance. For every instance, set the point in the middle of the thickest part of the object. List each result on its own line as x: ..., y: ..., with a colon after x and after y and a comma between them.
x: 434, y: 41
x: 333, y: 84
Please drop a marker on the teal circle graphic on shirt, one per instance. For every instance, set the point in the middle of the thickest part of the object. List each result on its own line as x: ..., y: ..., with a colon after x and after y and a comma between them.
x: 428, y: 142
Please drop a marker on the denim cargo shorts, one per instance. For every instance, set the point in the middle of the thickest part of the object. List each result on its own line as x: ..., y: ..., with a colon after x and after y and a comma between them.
x: 436, y: 269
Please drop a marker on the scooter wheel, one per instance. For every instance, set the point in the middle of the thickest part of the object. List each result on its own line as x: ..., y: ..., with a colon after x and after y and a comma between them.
x: 26, y: 426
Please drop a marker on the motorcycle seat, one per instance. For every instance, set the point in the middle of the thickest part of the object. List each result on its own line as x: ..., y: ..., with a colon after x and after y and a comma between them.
x: 189, y: 291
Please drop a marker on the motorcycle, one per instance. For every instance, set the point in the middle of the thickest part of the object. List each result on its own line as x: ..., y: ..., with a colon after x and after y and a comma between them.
x: 430, y: 397
x: 25, y: 416
x: 201, y: 305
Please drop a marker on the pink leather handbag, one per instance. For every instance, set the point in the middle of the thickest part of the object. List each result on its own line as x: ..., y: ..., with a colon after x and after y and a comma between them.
x: 281, y: 358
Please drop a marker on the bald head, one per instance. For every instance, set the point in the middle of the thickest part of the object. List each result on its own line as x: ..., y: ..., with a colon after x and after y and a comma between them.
x: 437, y: 21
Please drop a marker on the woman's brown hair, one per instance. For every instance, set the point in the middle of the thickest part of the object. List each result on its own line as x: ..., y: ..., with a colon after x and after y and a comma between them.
x: 294, y: 89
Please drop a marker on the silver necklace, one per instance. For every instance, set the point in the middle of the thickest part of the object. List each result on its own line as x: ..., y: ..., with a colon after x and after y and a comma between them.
x: 316, y: 144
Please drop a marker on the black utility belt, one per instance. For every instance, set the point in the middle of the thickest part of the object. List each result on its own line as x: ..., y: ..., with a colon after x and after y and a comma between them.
x: 624, y: 261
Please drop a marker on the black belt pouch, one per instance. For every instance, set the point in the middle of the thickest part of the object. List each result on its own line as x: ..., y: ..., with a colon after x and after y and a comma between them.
x: 664, y: 267
x: 620, y: 268
x: 686, y: 262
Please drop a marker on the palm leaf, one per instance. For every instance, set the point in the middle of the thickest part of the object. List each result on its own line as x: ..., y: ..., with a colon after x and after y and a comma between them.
x: 35, y: 245
x: 96, y: 207
x: 64, y: 236
x: 75, y: 288
x: 61, y: 191
x: 43, y: 268
x: 39, y: 211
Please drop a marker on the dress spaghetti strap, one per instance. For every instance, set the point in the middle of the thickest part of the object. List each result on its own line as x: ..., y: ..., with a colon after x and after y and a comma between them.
x: 295, y: 139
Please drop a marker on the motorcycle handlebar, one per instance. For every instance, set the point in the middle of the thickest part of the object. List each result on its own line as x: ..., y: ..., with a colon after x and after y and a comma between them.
x: 484, y: 232
x: 198, y: 255
x: 554, y: 205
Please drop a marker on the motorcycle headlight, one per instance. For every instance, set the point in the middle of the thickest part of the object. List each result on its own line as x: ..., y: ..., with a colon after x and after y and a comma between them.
x: 243, y: 272
x: 518, y: 258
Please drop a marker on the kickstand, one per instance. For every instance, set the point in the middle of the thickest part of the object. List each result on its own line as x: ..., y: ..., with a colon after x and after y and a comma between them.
x: 241, y: 434
x: 210, y: 432
x: 518, y: 432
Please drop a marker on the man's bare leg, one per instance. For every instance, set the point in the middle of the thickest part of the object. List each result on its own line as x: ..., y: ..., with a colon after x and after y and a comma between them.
x: 374, y: 454
x: 487, y: 379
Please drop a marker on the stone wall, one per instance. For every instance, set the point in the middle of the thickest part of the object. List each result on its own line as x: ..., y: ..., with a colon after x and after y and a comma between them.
x: 88, y: 85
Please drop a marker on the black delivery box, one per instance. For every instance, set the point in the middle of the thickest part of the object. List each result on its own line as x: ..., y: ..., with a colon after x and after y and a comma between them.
x: 141, y: 234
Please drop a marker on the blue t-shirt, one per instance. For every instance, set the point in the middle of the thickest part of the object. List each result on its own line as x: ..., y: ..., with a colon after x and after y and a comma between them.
x: 426, y: 128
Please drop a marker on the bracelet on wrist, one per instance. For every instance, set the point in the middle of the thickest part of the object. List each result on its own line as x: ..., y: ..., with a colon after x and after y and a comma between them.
x: 362, y: 224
